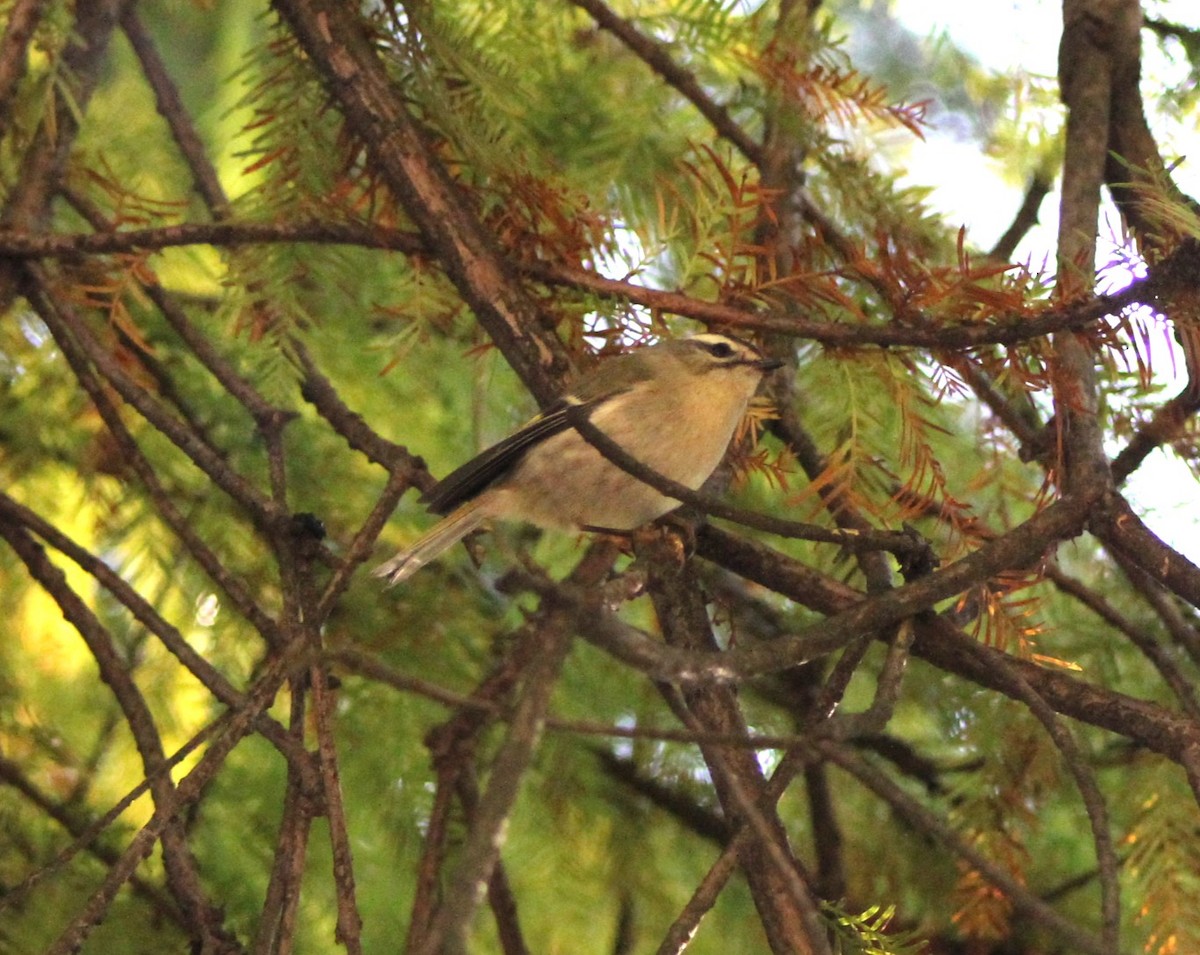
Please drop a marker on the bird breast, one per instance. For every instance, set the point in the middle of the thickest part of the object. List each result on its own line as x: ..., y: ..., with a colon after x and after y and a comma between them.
x: 682, y: 433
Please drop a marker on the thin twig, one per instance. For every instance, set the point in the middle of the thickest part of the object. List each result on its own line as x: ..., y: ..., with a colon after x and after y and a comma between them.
x: 1145, y: 642
x: 171, y: 108
x: 63, y: 320
x: 1025, y: 219
x: 481, y: 847
x: 183, y: 878
x: 277, y: 924
x: 234, y: 729
x: 349, y: 921
x: 23, y: 17
x: 143, y: 611
x: 1003, y: 329
x: 230, y: 583
x: 684, y: 81
x: 925, y: 821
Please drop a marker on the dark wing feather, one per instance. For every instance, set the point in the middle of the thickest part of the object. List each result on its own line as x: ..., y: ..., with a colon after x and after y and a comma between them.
x: 472, y: 478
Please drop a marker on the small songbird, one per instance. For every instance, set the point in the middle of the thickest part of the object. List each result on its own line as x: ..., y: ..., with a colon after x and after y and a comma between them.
x: 673, y: 406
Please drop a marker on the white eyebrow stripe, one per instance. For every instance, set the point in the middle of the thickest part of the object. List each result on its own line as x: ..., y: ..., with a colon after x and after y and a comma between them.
x: 742, y: 351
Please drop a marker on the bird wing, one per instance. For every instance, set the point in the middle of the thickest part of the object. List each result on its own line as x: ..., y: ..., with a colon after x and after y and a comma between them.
x: 484, y: 469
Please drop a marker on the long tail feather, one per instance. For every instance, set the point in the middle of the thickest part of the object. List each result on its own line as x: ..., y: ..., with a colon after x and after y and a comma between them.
x: 444, y: 535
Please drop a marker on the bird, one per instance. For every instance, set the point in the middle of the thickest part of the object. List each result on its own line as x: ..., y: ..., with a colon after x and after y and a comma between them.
x: 673, y: 406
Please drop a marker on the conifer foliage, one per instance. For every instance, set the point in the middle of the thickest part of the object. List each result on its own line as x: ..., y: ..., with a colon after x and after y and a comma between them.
x: 911, y: 674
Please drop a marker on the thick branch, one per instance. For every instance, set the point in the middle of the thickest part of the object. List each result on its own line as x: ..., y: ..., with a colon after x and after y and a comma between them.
x: 940, y: 643
x: 331, y: 34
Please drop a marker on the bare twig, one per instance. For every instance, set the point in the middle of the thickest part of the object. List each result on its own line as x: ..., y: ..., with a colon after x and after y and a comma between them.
x: 171, y: 108
x: 23, y: 19
x: 1025, y: 219
x: 780, y: 887
x: 203, y: 918
x: 277, y: 926
x: 141, y: 609
x: 189, y: 788
x: 662, y: 63
x: 349, y: 922
x: 481, y: 849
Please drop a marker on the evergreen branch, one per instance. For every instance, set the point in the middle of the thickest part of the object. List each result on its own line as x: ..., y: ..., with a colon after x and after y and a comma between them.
x: 474, y: 127
x: 927, y: 822
x: 1147, y: 645
x: 226, y: 733
x: 1016, y: 413
x: 43, y: 245
x: 1004, y: 330
x: 267, y: 418
x: 684, y: 82
x: 1020, y: 689
x: 841, y: 93
x: 84, y: 836
x: 1085, y: 781
x: 878, y: 714
x: 655, y: 55
x: 681, y: 931
x: 66, y: 324
x: 867, y: 933
x: 845, y: 514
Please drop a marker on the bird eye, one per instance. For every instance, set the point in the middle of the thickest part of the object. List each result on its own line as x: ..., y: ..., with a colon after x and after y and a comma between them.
x: 720, y: 349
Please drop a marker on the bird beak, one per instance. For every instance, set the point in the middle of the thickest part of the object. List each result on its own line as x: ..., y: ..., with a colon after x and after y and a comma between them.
x: 768, y: 364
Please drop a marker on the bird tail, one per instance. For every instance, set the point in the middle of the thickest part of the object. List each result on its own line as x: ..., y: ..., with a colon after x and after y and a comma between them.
x: 444, y: 535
